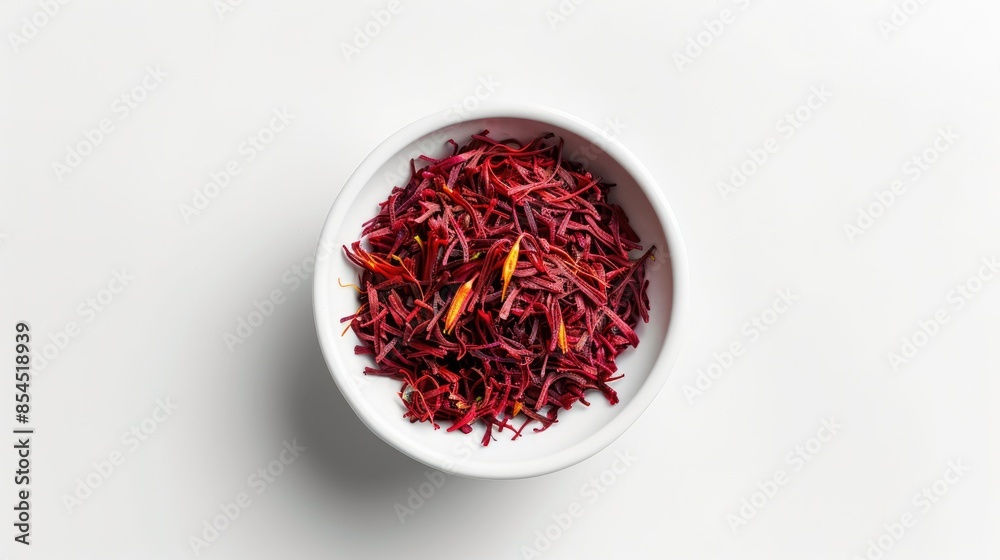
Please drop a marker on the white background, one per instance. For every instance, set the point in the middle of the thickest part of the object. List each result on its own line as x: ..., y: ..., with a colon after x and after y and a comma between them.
x: 63, y: 236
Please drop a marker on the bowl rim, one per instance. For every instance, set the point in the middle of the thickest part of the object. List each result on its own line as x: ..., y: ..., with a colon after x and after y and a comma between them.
x: 328, y: 328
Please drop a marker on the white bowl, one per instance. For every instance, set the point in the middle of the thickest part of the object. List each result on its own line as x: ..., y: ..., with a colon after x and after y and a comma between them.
x: 581, y: 431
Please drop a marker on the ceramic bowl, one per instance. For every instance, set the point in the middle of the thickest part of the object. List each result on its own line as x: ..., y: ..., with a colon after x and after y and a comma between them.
x: 581, y: 431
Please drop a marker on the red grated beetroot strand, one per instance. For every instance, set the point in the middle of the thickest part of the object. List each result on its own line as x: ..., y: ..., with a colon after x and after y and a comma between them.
x: 498, y: 283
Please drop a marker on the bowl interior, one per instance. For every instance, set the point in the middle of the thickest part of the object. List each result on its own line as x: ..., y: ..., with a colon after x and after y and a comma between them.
x: 580, y: 431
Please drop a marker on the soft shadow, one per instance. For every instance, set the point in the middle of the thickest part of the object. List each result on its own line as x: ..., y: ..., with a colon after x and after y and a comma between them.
x: 346, y: 454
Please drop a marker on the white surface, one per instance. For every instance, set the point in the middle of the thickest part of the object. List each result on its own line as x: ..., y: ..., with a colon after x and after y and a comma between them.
x: 825, y: 356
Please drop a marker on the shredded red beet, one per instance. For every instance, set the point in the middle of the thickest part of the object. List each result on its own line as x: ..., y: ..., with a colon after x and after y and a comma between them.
x: 498, y: 283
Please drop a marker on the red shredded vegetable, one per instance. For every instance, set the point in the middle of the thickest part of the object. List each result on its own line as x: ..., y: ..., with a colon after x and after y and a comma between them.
x: 498, y: 286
